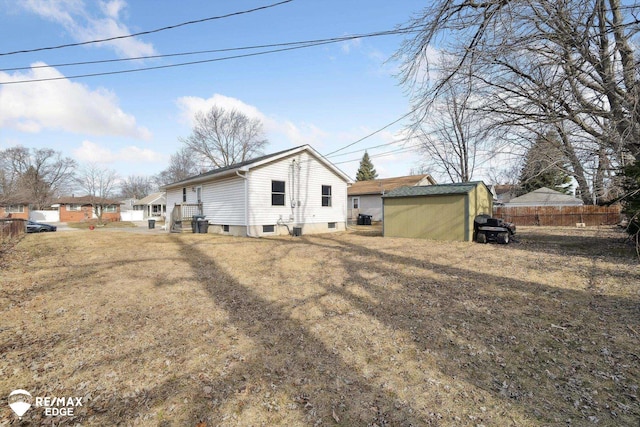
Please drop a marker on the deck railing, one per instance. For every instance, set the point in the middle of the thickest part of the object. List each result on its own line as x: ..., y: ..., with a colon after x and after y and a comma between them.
x: 184, y: 212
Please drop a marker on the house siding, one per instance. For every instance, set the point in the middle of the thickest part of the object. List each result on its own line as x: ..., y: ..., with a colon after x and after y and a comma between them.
x: 370, y: 204
x: 223, y: 201
x: 304, y: 177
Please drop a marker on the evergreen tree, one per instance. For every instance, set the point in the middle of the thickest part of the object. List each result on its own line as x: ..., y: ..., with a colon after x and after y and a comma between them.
x: 366, y: 171
x: 545, y: 166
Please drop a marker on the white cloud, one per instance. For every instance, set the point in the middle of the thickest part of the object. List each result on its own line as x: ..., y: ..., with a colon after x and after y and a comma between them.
x: 63, y: 105
x: 91, y: 152
x: 348, y: 45
x: 84, y: 25
x: 190, y: 105
x: 276, y: 129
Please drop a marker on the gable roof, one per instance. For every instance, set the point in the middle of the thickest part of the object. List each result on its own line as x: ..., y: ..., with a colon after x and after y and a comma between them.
x: 545, y: 197
x: 85, y: 200
x: 259, y: 161
x: 434, y: 190
x: 383, y: 186
x: 153, y: 198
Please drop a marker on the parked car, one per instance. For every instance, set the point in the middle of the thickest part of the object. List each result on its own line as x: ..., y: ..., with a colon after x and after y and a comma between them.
x: 39, y: 227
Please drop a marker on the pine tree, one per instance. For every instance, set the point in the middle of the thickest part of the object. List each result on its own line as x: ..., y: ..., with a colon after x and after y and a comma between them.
x: 366, y: 171
x: 544, y: 166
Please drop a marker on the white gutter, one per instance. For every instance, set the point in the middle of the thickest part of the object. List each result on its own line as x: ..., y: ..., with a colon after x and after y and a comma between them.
x: 246, y: 200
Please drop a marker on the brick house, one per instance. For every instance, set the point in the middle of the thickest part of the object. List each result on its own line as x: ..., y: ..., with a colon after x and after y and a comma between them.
x: 77, y: 209
x: 14, y: 210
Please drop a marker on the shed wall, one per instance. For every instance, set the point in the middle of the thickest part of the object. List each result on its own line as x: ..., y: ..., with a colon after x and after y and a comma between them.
x: 432, y: 217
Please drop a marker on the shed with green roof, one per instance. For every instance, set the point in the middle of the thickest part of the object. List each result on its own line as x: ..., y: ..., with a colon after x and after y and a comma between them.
x: 438, y: 212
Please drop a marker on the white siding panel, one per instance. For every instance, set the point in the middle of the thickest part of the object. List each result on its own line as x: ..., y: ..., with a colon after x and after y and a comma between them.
x: 304, y: 177
x: 174, y: 196
x: 223, y: 201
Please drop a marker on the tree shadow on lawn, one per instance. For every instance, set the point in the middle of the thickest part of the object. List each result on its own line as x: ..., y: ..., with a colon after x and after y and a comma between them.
x: 555, y: 353
x: 305, y: 376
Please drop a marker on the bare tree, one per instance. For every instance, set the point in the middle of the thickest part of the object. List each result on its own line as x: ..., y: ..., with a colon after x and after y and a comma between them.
x: 34, y: 175
x: 225, y: 137
x: 136, y: 187
x: 99, y: 184
x: 182, y: 165
x: 539, y: 65
x: 452, y: 136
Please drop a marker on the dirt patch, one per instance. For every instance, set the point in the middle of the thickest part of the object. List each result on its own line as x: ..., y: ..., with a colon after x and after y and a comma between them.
x: 346, y: 329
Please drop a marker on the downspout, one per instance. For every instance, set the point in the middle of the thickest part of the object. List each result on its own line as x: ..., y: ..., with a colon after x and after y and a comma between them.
x: 246, y: 202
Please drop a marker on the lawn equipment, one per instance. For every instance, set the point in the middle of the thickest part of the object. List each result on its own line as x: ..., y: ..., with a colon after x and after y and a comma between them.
x: 487, y: 229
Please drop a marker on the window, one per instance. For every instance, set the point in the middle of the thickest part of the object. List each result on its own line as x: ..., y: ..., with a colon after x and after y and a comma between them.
x: 110, y: 208
x: 74, y: 207
x: 277, y: 193
x: 199, y: 194
x: 332, y: 225
x: 225, y: 228
x: 184, y: 194
x: 14, y: 209
x: 326, y: 195
x: 356, y: 203
x: 268, y: 228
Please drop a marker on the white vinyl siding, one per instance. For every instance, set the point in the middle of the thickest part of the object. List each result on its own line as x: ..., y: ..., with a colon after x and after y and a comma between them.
x: 303, y: 192
x: 223, y: 201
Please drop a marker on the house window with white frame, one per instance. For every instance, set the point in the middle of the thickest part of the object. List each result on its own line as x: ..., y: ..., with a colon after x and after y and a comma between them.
x: 326, y: 195
x: 14, y: 209
x: 74, y: 207
x: 184, y: 194
x: 110, y: 209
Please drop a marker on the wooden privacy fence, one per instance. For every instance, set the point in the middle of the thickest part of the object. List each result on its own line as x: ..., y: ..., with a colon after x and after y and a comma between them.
x: 11, y: 228
x: 560, y: 215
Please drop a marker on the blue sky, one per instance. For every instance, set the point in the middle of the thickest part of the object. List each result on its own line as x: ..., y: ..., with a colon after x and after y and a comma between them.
x: 327, y: 96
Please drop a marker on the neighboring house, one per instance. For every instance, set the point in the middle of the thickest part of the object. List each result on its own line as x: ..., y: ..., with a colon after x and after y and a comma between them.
x: 14, y: 210
x: 438, y: 212
x: 365, y: 197
x: 502, y: 193
x: 154, y: 205
x: 76, y: 209
x: 295, y: 190
x: 544, y: 197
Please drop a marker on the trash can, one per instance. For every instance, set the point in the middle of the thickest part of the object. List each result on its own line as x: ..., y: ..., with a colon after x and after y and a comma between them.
x: 360, y: 219
x: 366, y: 219
x: 194, y: 223
x: 152, y: 223
x: 203, y: 226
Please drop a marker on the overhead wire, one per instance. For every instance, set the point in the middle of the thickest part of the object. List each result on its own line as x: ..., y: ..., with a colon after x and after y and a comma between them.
x: 405, y: 30
x: 141, y: 33
x: 296, y: 45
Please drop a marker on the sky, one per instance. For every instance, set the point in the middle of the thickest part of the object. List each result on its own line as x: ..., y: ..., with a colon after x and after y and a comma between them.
x: 328, y: 96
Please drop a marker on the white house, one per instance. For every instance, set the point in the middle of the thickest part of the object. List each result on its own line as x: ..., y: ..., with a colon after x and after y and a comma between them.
x: 153, y: 206
x: 291, y: 191
x: 365, y: 197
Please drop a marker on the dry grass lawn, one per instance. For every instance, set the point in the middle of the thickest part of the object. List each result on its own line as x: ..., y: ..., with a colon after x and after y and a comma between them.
x: 340, y: 329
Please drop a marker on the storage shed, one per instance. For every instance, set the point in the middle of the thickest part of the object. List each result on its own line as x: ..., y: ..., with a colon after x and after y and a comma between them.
x: 438, y: 212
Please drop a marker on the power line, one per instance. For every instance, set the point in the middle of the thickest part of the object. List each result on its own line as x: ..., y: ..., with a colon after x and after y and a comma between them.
x: 157, y: 30
x: 182, y: 64
x: 375, y: 132
x: 406, y: 30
